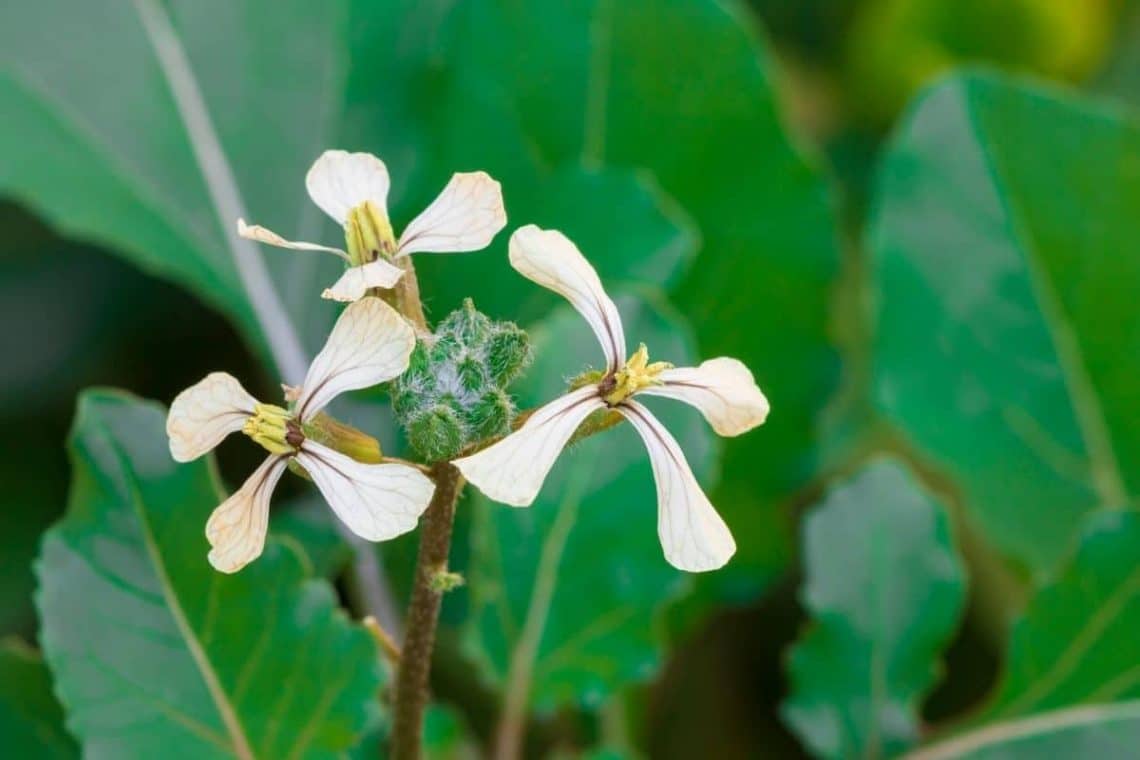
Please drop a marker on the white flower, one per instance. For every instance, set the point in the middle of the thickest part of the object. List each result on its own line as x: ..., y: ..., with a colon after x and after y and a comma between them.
x: 352, y: 188
x: 369, y: 344
x: 693, y: 535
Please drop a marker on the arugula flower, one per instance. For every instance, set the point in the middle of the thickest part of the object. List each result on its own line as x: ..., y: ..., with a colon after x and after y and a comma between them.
x: 352, y: 188
x: 693, y: 535
x: 369, y: 344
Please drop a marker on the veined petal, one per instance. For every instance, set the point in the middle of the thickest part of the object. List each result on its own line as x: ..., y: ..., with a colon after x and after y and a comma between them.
x: 724, y: 391
x: 512, y: 470
x: 355, y: 282
x: 466, y: 216
x: 339, y: 181
x: 692, y: 534
x: 269, y: 237
x: 377, y: 501
x: 369, y: 343
x: 236, y: 529
x: 548, y: 258
x: 205, y: 413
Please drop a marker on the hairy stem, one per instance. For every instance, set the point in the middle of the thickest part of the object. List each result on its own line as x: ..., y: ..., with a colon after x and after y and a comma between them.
x: 423, y: 614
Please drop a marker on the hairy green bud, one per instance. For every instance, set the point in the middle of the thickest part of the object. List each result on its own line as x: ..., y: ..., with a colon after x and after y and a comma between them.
x: 453, y: 393
x: 437, y: 432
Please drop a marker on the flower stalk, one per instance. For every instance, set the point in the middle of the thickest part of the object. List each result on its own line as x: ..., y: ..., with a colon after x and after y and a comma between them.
x: 412, y: 677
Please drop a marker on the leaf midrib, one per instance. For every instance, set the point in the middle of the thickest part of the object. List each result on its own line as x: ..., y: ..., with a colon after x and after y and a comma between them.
x: 227, y: 712
x: 1024, y: 728
x: 1104, y: 469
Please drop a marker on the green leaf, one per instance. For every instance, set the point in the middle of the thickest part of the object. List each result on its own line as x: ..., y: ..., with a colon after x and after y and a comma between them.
x: 1076, y: 641
x: 558, y: 84
x: 31, y: 720
x: 1008, y: 338
x: 885, y: 589
x: 1101, y: 731
x: 308, y: 523
x: 153, y: 652
x: 630, y: 230
x: 565, y: 593
x: 126, y: 165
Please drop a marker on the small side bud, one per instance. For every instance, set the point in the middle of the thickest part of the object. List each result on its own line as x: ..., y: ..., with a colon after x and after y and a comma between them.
x: 443, y: 581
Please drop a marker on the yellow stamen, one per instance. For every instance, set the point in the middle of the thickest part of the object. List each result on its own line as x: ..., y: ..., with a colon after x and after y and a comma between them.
x: 637, y: 374
x: 269, y: 426
x: 368, y: 234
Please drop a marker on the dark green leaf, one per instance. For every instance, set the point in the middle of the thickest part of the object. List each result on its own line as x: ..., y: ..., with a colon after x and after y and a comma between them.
x: 563, y: 84
x: 565, y: 593
x: 31, y: 721
x: 1076, y: 641
x: 1008, y: 335
x: 153, y: 652
x: 309, y: 523
x: 885, y: 589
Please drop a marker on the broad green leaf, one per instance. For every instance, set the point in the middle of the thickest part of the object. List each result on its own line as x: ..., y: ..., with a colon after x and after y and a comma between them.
x: 308, y: 523
x: 565, y: 593
x: 1008, y: 336
x: 594, y: 83
x: 31, y: 721
x: 123, y: 161
x: 1076, y: 641
x: 1110, y: 732
x: 885, y: 589
x: 153, y: 652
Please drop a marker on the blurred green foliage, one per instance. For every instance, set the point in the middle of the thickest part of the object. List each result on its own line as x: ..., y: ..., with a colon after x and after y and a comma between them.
x: 939, y: 269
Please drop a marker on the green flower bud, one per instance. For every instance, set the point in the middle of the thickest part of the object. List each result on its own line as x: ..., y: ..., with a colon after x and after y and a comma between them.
x: 437, y: 433
x: 508, y: 353
x: 453, y: 392
x: 472, y: 374
x: 467, y: 324
x: 491, y: 416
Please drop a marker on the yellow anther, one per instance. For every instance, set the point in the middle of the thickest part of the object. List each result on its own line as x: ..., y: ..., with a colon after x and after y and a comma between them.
x: 637, y: 374
x: 269, y: 426
x: 368, y: 234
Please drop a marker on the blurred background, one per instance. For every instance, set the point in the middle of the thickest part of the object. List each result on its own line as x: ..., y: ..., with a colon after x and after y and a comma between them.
x: 722, y: 163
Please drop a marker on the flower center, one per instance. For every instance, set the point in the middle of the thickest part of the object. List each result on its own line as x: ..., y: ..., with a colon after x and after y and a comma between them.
x: 637, y: 374
x: 368, y: 234
x: 274, y: 429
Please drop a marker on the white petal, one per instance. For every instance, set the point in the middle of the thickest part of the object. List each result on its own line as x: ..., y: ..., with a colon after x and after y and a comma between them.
x: 205, y: 413
x: 512, y: 470
x: 724, y: 391
x: 236, y: 529
x: 550, y: 259
x: 262, y: 235
x: 339, y: 181
x: 369, y: 344
x: 377, y: 501
x: 356, y: 281
x: 465, y: 217
x: 692, y: 534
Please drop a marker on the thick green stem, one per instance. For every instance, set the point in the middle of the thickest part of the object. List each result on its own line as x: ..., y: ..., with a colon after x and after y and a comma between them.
x: 412, y: 677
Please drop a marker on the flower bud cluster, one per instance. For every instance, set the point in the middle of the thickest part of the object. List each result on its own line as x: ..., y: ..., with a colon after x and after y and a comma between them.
x: 454, y: 391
